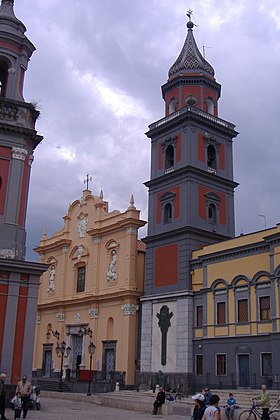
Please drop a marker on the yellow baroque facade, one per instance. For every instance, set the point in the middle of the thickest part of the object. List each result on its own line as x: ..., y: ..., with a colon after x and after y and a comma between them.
x: 94, y: 281
x: 237, y: 310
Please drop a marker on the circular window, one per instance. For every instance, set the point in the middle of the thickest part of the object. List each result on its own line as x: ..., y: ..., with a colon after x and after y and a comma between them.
x: 191, y: 100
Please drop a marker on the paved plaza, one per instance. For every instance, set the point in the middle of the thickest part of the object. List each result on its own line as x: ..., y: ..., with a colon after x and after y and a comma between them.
x: 79, y: 410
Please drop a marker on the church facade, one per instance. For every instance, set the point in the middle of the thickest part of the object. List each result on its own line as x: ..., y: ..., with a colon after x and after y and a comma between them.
x: 91, y: 292
x: 19, y: 279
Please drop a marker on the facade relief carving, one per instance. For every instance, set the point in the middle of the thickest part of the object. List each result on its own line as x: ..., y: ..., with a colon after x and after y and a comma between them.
x: 19, y: 153
x: 130, y: 309
x: 8, y: 253
x: 79, y: 252
x: 60, y: 316
x: 93, y: 313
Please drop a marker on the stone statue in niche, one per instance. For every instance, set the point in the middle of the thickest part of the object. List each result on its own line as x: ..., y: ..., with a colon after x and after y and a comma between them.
x: 164, y: 324
x: 82, y: 226
x: 51, y: 287
x: 112, y: 270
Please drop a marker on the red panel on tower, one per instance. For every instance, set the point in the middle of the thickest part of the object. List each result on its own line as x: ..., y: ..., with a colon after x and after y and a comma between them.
x: 179, y: 148
x: 222, y: 156
x: 166, y: 265
x: 23, y: 198
x: 19, y: 334
x: 191, y: 91
x: 3, y: 306
x: 201, y: 149
x: 5, y: 152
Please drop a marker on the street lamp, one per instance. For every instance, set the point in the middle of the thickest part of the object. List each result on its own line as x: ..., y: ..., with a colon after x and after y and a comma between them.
x: 85, y: 331
x: 91, y: 350
x: 55, y: 333
x: 62, y: 351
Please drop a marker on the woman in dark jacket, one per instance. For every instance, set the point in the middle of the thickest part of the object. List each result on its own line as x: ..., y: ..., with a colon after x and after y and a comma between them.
x: 199, y: 406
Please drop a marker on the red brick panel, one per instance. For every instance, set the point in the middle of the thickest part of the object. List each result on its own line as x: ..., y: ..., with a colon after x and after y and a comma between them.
x: 193, y: 91
x: 166, y: 265
x: 4, y: 174
x: 19, y: 333
x: 222, y: 156
x: 202, y: 204
x: 3, y: 306
x: 179, y: 148
x: 23, y: 198
x: 212, y: 94
x: 175, y: 190
x: 201, y: 149
x: 10, y: 46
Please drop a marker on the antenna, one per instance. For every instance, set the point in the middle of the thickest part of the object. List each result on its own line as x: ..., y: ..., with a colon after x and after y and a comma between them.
x: 264, y: 219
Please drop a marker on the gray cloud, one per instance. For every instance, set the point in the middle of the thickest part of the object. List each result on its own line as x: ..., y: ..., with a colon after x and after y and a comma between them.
x: 97, y: 74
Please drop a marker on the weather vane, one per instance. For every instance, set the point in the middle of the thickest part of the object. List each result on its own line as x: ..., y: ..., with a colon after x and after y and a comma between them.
x: 189, y: 14
x: 87, y: 180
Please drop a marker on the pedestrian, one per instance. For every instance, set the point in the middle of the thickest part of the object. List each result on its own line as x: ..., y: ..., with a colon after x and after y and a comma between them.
x: 160, y: 399
x: 199, y: 406
x: 212, y: 412
x: 24, y: 388
x: 17, y: 402
x: 2, y: 396
x: 230, y: 406
x: 264, y: 402
x: 207, y: 396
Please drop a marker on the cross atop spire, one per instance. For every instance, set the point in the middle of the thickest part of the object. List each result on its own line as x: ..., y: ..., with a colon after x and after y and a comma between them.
x: 87, y: 180
x: 190, y: 58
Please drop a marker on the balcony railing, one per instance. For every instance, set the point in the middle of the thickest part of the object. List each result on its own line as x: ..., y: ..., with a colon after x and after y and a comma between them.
x: 194, y: 110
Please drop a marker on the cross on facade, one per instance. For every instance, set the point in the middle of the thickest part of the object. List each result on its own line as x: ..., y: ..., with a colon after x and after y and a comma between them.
x: 87, y: 180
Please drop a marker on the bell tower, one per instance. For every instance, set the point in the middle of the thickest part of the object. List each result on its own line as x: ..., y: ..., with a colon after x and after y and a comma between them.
x: 19, y: 279
x: 191, y: 201
x: 18, y: 137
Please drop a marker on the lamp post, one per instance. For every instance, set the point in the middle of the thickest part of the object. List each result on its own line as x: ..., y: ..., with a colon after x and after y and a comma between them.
x: 62, y: 351
x: 91, y: 350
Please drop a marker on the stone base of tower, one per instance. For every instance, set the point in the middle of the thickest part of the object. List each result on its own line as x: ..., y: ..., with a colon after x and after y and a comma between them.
x: 19, y: 285
x: 174, y: 364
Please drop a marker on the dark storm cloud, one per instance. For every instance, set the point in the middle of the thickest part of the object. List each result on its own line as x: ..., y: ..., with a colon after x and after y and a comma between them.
x: 97, y: 74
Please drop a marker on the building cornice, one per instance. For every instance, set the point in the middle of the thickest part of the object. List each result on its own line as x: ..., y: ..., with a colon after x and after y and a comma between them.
x: 175, y: 233
x: 47, y: 247
x: 191, y: 170
x: 167, y: 296
x: 190, y: 114
x: 90, y: 299
x: 18, y: 266
x: 114, y: 227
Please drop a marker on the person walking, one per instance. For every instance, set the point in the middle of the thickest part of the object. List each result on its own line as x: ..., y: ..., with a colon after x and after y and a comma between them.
x: 160, y: 399
x: 2, y: 396
x: 199, y: 406
x: 230, y: 406
x: 24, y: 388
x: 207, y: 396
x: 17, y: 402
x: 212, y: 412
x: 264, y: 402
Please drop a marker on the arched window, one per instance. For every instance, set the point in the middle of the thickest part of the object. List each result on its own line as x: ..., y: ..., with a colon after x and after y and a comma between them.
x: 167, y: 214
x: 169, y: 157
x: 211, y: 157
x: 210, y: 106
x: 3, y: 77
x: 172, y: 106
x: 212, y: 213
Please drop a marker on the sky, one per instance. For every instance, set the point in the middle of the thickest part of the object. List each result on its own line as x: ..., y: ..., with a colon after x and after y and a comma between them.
x: 96, y: 77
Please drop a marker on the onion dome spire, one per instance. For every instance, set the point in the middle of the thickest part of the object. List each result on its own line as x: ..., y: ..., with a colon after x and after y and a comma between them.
x: 9, y: 23
x: 190, y: 57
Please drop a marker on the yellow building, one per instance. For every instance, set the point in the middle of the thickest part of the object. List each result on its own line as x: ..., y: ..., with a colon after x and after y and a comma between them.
x: 236, y: 311
x: 94, y: 281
